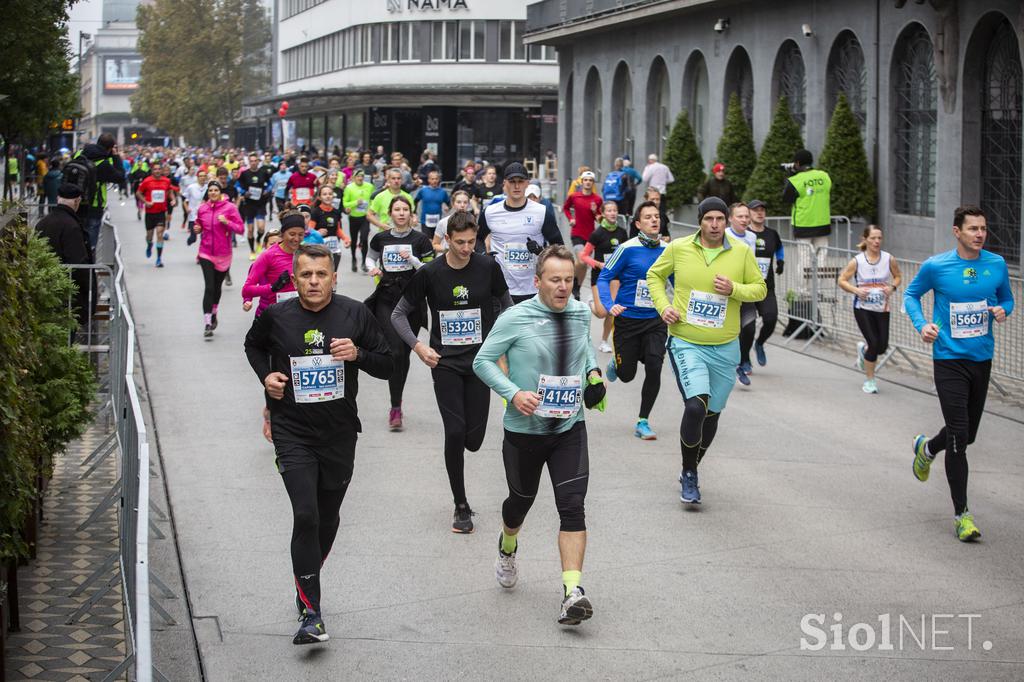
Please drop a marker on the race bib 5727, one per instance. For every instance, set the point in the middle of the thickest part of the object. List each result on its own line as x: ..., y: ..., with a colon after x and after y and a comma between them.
x: 706, y: 309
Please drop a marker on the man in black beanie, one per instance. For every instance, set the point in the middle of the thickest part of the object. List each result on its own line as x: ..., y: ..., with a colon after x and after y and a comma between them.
x: 64, y: 229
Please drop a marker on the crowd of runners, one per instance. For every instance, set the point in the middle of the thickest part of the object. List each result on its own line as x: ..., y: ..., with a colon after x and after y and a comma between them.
x: 484, y: 268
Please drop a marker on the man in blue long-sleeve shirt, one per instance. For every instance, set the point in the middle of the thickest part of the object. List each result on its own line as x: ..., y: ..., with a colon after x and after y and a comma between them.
x: 971, y: 288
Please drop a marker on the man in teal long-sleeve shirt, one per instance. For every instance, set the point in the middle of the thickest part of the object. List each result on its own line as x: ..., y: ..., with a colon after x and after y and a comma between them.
x: 552, y: 370
x: 972, y: 288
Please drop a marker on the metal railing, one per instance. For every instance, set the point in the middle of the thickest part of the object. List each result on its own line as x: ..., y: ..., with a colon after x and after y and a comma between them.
x: 108, y: 336
x: 813, y: 308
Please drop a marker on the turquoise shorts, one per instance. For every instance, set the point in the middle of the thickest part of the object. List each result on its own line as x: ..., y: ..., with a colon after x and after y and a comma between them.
x: 705, y: 370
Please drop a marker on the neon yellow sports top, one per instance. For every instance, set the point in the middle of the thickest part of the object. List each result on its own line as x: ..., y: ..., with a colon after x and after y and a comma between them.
x: 687, y: 260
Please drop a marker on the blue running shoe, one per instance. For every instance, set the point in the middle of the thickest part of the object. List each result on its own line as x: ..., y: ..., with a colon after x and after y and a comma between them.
x: 762, y: 359
x: 747, y: 369
x: 644, y: 431
x: 312, y: 630
x: 690, y: 491
x: 149, y: 249
x: 742, y: 376
x: 609, y: 372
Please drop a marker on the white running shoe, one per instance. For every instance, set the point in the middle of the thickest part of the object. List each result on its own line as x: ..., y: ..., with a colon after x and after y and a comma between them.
x: 505, y: 569
x: 605, y: 347
x: 576, y: 608
x: 860, y: 355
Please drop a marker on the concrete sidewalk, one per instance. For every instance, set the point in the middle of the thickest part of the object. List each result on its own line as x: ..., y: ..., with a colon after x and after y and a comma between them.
x: 810, y: 508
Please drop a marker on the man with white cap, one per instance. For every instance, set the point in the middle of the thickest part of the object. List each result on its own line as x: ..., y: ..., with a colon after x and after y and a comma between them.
x: 582, y: 208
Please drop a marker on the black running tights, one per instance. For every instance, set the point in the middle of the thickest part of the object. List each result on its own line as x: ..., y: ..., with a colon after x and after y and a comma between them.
x: 315, y: 513
x: 399, y: 351
x: 962, y: 386
x: 463, y: 401
x: 697, y: 430
x: 768, y: 309
x: 874, y: 327
x: 359, y: 231
x: 214, y: 281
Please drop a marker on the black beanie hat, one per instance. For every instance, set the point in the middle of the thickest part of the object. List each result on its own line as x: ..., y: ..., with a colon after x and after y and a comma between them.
x: 711, y: 204
x: 293, y: 220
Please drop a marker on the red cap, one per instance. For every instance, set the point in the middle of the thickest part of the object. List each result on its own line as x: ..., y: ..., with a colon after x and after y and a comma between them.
x: 718, y: 168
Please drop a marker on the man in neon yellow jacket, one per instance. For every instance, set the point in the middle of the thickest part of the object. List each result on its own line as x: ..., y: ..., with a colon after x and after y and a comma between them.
x: 714, y: 273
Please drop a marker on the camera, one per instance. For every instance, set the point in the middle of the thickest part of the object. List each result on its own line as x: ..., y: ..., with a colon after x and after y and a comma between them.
x: 788, y: 168
x: 721, y: 25
x: 806, y: 28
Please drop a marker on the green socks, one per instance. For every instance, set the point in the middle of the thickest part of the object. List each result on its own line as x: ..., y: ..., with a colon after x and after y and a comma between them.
x: 571, y: 580
x: 508, y: 543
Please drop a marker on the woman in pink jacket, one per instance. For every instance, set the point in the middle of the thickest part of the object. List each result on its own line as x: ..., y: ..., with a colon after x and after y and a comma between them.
x: 217, y: 219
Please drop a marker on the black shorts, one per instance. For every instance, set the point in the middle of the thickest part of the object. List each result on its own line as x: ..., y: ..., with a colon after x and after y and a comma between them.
x: 153, y: 220
x: 253, y: 211
x: 639, y: 340
x: 334, y: 460
x: 516, y: 299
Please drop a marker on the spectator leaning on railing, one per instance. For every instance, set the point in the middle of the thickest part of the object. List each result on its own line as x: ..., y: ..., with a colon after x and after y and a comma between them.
x: 64, y: 229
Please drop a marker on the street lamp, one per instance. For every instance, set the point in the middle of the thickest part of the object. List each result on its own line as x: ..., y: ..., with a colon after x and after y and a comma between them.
x: 82, y: 35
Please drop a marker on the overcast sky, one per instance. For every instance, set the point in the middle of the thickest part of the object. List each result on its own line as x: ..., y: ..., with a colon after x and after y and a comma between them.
x: 86, y: 15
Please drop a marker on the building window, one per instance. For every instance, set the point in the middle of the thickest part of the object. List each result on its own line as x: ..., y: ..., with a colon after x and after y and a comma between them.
x: 791, y: 81
x: 543, y: 53
x: 510, y: 41
x: 293, y: 7
x: 389, y: 43
x: 445, y: 41
x: 592, y: 120
x: 847, y: 75
x: 739, y: 79
x: 697, y: 98
x: 471, y: 41
x: 1002, y: 88
x: 914, y: 124
x: 409, y: 44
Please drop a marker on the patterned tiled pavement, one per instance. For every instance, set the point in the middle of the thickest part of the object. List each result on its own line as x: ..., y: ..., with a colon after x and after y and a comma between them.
x: 47, y: 648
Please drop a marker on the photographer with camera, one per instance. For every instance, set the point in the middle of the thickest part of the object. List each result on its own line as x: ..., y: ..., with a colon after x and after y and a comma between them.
x: 808, y: 190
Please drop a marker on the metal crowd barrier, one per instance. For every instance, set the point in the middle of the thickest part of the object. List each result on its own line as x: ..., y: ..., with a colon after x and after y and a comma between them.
x: 812, y: 308
x: 109, y: 334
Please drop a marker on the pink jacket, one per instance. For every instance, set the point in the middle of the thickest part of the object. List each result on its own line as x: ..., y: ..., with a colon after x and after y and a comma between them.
x: 216, y: 236
x: 263, y: 273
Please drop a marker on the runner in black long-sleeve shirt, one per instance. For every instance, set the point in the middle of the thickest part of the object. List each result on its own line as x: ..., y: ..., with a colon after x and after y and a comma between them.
x: 308, y: 352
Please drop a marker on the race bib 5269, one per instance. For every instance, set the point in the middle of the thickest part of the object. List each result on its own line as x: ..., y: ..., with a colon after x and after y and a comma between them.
x: 518, y: 257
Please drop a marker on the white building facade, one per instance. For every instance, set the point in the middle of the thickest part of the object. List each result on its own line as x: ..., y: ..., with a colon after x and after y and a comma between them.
x: 449, y: 75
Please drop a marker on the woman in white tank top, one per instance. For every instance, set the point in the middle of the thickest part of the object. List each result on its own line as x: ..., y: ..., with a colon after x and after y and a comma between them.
x: 871, y: 276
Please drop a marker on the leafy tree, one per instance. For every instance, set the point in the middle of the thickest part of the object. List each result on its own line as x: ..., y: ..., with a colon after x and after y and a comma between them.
x: 736, y: 147
x: 767, y: 180
x: 684, y: 160
x: 853, y: 189
x: 35, y: 81
x: 45, y: 384
x: 223, y: 47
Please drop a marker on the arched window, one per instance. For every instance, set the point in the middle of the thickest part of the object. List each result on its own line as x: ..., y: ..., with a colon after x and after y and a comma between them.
x: 658, y: 122
x: 622, y: 112
x: 695, y: 99
x: 847, y: 75
x: 914, y: 123
x: 791, y: 81
x: 567, y: 123
x: 1001, y: 129
x: 592, y: 119
x: 739, y: 78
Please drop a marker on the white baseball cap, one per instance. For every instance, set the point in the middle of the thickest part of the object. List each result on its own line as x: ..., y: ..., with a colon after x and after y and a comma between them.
x: 533, y: 190
x: 588, y: 174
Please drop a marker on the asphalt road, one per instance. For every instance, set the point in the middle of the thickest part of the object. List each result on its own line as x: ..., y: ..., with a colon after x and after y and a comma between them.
x: 809, y: 507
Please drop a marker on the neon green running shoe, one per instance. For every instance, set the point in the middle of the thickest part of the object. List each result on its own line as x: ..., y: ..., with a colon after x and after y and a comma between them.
x: 965, y: 529
x: 922, y: 464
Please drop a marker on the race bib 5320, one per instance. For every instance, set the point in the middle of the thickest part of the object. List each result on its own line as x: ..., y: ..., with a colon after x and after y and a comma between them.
x: 461, y: 327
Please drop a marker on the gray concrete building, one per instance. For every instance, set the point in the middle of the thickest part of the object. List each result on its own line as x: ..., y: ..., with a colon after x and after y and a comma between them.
x: 936, y: 85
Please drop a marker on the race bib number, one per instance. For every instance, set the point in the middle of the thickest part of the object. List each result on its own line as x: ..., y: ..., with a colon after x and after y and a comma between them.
x: 336, y: 202
x: 461, y: 327
x: 764, y: 265
x: 968, y: 320
x: 361, y: 205
x: 706, y: 309
x: 287, y: 295
x: 392, y: 258
x: 332, y: 244
x: 255, y: 193
x: 158, y: 196
x: 317, y: 378
x: 518, y: 257
x: 560, y: 396
x: 875, y: 301
x: 431, y: 219
x: 643, y: 295
x: 303, y: 193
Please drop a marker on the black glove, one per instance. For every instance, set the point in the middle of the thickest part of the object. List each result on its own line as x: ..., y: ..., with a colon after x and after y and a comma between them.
x: 533, y: 247
x: 594, y: 393
x: 282, y: 282
x: 191, y: 237
x: 778, y: 266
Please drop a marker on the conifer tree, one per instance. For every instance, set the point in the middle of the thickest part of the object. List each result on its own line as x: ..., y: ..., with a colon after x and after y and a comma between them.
x: 736, y: 147
x: 684, y: 160
x: 844, y: 159
x: 768, y: 178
